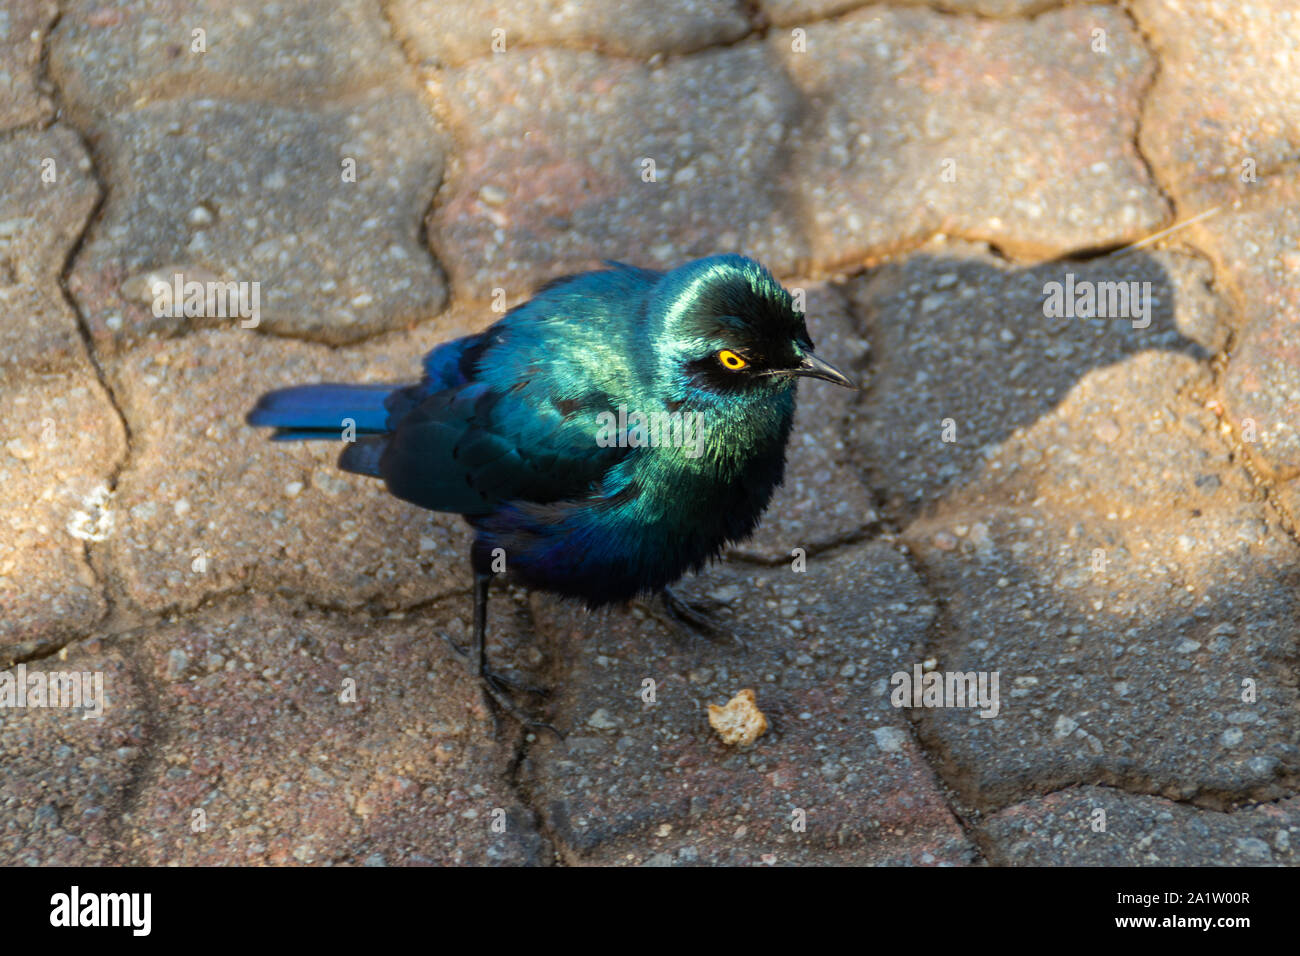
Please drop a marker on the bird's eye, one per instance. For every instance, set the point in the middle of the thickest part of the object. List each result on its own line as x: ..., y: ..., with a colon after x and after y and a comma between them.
x: 731, y: 360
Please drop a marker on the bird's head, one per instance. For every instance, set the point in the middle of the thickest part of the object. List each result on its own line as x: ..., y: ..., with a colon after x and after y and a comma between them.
x: 725, y: 329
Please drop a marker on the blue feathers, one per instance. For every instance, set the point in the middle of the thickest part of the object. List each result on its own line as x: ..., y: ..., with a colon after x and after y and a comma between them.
x: 323, y: 411
x: 506, y: 426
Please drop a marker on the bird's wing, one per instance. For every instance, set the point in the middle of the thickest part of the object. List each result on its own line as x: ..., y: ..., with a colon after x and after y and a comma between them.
x: 470, y: 448
x: 515, y: 412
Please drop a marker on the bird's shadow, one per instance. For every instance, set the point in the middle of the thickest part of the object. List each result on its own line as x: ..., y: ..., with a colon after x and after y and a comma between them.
x: 968, y: 349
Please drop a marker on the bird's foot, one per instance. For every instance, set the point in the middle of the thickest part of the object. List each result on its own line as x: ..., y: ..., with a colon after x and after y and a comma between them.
x: 681, y: 616
x: 497, y: 689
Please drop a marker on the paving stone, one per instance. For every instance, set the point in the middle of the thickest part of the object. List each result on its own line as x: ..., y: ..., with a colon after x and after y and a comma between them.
x: 640, y: 782
x: 1015, y: 132
x: 66, y: 776
x: 1228, y: 92
x: 252, y: 193
x: 964, y: 354
x: 451, y: 32
x: 208, y: 504
x: 23, y: 28
x: 47, y: 191
x: 1115, y: 567
x: 263, y: 739
x: 823, y: 500
x: 124, y: 56
x: 60, y: 442
x: 550, y: 176
x: 552, y: 151
x: 1059, y: 830
x: 793, y: 13
x: 1255, y: 244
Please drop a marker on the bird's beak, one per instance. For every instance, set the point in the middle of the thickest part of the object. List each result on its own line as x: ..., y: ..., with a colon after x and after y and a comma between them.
x: 814, y: 367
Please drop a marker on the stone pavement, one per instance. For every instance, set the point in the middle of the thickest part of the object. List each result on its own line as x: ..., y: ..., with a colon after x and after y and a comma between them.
x: 1101, y: 511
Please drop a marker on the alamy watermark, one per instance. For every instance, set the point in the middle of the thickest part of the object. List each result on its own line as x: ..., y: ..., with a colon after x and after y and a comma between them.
x: 653, y: 430
x: 192, y: 299
x: 130, y: 910
x: 1085, y: 299
x: 946, y: 689
x: 73, y: 689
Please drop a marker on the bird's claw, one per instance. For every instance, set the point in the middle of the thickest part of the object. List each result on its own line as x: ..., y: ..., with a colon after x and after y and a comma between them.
x: 497, y: 695
x: 506, y: 684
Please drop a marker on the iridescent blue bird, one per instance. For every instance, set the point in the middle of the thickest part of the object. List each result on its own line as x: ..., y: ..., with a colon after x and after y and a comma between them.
x: 614, y: 432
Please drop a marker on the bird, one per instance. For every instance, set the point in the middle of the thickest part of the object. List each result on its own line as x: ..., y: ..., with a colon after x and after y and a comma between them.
x: 615, y: 431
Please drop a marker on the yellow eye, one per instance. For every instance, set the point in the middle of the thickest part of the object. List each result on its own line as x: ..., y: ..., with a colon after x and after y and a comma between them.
x: 731, y: 360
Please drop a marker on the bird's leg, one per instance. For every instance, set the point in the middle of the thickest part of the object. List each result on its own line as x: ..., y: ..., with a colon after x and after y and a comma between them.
x: 497, y: 687
x: 481, y: 584
x: 683, y: 615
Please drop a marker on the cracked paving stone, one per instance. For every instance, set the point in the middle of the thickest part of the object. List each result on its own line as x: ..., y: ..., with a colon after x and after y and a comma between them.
x: 1060, y: 830
x: 314, y: 739
x: 822, y: 500
x: 554, y: 146
x: 208, y: 503
x: 65, y: 778
x: 23, y: 29
x: 110, y: 58
x: 1222, y: 130
x: 567, y: 189
x: 1228, y: 92
x: 1133, y: 592
x: 650, y: 782
x: 451, y: 32
x: 964, y: 337
x: 1256, y: 248
x: 60, y: 441
x: 795, y: 13
x: 1014, y: 132
x: 246, y: 192
x: 40, y: 221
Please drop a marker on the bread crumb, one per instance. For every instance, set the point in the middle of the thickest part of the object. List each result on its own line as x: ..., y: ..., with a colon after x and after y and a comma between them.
x: 740, y: 723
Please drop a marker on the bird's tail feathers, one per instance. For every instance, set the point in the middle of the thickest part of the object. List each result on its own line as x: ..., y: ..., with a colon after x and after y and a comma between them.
x: 337, y: 412
x: 361, y: 457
